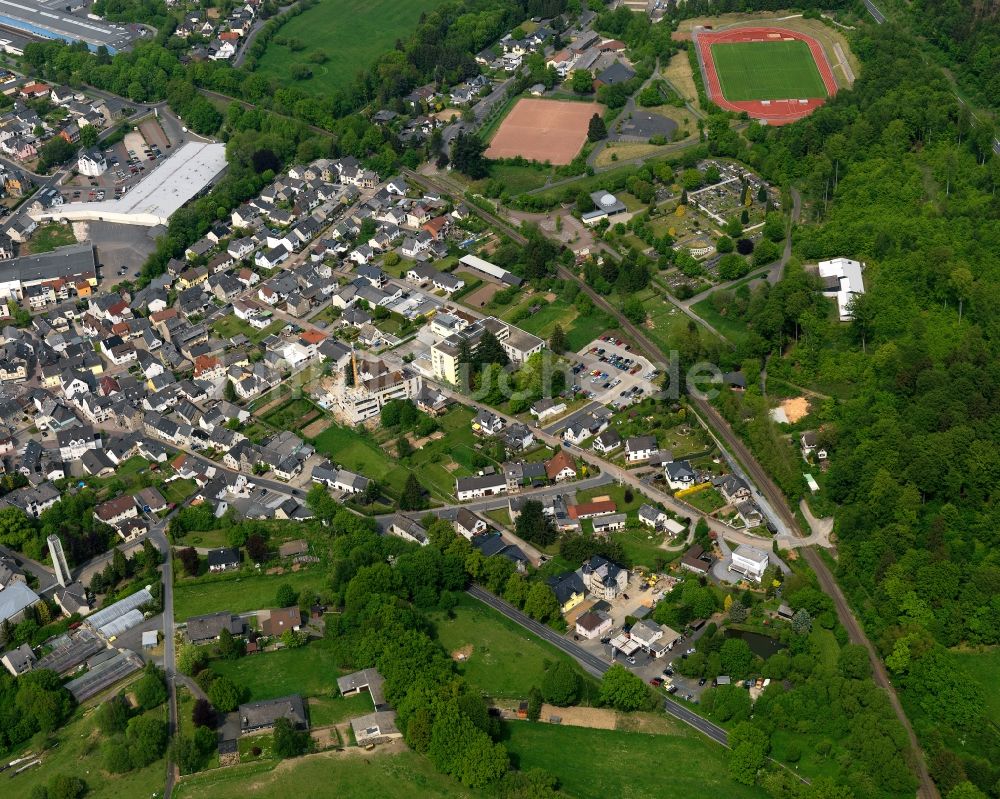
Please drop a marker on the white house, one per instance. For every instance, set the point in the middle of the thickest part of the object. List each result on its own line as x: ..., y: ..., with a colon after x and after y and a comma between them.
x: 679, y: 475
x: 593, y: 624
x: 749, y: 561
x: 842, y: 279
x: 640, y: 448
x: 483, y: 485
x: 91, y: 163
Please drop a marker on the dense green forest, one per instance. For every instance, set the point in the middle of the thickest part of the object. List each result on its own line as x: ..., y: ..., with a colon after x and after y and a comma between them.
x: 968, y: 33
x: 899, y: 176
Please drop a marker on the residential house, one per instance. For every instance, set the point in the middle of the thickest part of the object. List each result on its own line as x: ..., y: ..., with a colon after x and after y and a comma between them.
x: 593, y: 624
x: 603, y: 578
x: 679, y: 475
x: 560, y: 466
x: 640, y: 448
x: 749, y: 561
x: 223, y: 559
x: 408, y: 529
x: 482, y: 485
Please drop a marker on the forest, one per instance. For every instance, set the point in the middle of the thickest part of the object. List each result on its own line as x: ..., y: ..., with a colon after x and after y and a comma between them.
x: 897, y: 174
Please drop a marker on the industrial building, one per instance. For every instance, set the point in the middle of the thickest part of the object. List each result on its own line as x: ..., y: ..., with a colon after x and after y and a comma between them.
x: 49, y: 20
x: 71, y: 265
x: 191, y: 168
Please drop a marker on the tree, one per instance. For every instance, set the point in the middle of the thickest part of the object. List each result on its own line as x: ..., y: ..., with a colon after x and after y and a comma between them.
x: 533, y: 525
x: 596, y: 129
x: 853, y: 662
x: 749, y: 746
x: 229, y: 392
x: 293, y: 639
x: 541, y: 603
x: 623, y: 690
x: 802, y: 621
x: 151, y: 690
x: 190, y: 561
x: 557, y: 341
x: 191, y: 659
x: 966, y: 790
x: 288, y: 741
x: 286, y: 596
x: 203, y: 714
x: 726, y: 703
x: 224, y: 694
x: 634, y: 311
x: 112, y: 715
x: 467, y: 156
x: 736, y: 657
x: 256, y: 546
x: 147, y: 740
x: 230, y: 647
x: 413, y: 497
x: 534, y: 704
x: 581, y: 81
x: 724, y: 245
x: 63, y: 786
x: 561, y: 684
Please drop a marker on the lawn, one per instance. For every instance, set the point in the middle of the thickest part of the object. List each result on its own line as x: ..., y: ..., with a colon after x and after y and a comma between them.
x: 359, y: 453
x: 241, y: 594
x: 177, y: 491
x: 706, y: 500
x: 543, y: 321
x: 586, y: 328
x: 77, y: 751
x: 733, y: 329
x: 642, y: 546
x: 293, y: 415
x: 515, y: 179
x: 506, y: 661
x: 48, y: 237
x: 617, y: 494
x: 310, y: 670
x: 767, y: 71
x: 230, y: 326
x: 324, y: 711
x: 677, y: 766
x: 351, y: 33
x: 326, y: 775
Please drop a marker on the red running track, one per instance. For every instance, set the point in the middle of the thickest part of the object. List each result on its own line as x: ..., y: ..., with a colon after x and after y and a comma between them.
x: 773, y: 112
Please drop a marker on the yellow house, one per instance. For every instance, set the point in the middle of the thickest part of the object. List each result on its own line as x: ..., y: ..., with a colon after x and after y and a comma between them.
x: 569, y: 590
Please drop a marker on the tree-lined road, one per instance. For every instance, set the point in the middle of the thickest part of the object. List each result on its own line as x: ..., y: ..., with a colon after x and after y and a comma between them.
x: 590, y: 662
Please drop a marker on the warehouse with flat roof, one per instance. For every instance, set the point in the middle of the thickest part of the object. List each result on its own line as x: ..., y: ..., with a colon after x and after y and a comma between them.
x: 152, y: 201
x: 74, y: 264
x: 49, y: 20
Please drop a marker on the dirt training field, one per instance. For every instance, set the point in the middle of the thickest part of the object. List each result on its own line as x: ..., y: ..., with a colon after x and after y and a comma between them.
x: 543, y: 130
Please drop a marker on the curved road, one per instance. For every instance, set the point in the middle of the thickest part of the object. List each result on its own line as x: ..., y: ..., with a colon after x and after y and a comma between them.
x: 590, y: 662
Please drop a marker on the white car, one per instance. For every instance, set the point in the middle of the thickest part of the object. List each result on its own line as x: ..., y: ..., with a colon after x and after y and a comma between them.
x: 690, y: 652
x: 630, y: 660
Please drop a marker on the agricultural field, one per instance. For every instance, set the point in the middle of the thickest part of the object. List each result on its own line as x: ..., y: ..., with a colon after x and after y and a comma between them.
x: 346, y: 776
x: 501, y: 659
x: 767, y: 71
x: 350, y: 33
x: 680, y: 765
x: 240, y: 594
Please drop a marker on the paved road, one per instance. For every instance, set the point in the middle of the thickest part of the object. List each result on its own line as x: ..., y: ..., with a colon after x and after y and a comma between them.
x: 591, y: 663
x: 45, y: 575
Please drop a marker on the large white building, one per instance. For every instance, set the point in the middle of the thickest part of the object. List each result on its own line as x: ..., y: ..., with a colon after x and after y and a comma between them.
x: 749, y: 561
x: 374, y: 386
x: 91, y: 163
x: 517, y: 344
x: 842, y: 280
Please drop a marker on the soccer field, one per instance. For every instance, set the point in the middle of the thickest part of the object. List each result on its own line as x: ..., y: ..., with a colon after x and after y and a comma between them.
x: 767, y: 71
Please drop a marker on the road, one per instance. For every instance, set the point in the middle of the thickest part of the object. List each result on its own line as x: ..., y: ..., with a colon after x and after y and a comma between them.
x: 591, y: 663
x: 873, y: 10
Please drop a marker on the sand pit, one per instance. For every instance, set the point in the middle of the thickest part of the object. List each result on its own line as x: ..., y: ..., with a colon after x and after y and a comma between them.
x: 795, y: 408
x: 543, y: 130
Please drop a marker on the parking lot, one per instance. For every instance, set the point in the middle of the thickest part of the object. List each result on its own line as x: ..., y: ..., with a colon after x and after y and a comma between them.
x: 612, y: 374
x: 128, y: 162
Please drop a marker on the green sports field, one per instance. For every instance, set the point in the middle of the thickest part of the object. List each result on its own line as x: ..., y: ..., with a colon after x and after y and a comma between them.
x: 767, y: 71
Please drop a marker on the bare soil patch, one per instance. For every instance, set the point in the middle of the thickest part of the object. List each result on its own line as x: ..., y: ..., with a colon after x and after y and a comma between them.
x: 314, y: 428
x: 481, y: 296
x: 462, y: 653
x: 795, y: 408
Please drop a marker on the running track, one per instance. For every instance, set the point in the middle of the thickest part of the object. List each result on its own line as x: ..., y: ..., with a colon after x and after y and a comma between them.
x: 774, y: 112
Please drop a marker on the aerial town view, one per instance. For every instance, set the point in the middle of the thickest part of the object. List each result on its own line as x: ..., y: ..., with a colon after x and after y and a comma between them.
x: 519, y: 399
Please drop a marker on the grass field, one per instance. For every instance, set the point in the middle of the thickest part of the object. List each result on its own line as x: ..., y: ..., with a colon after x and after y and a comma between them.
x: 310, y: 670
x: 767, y: 71
x: 47, y: 237
x: 78, y: 753
x: 240, y: 595
x: 352, y: 34
x: 586, y: 761
x: 506, y: 661
x: 326, y: 775
x: 324, y: 711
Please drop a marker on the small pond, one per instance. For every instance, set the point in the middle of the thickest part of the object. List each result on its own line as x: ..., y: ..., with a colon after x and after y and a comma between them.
x: 760, y: 644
